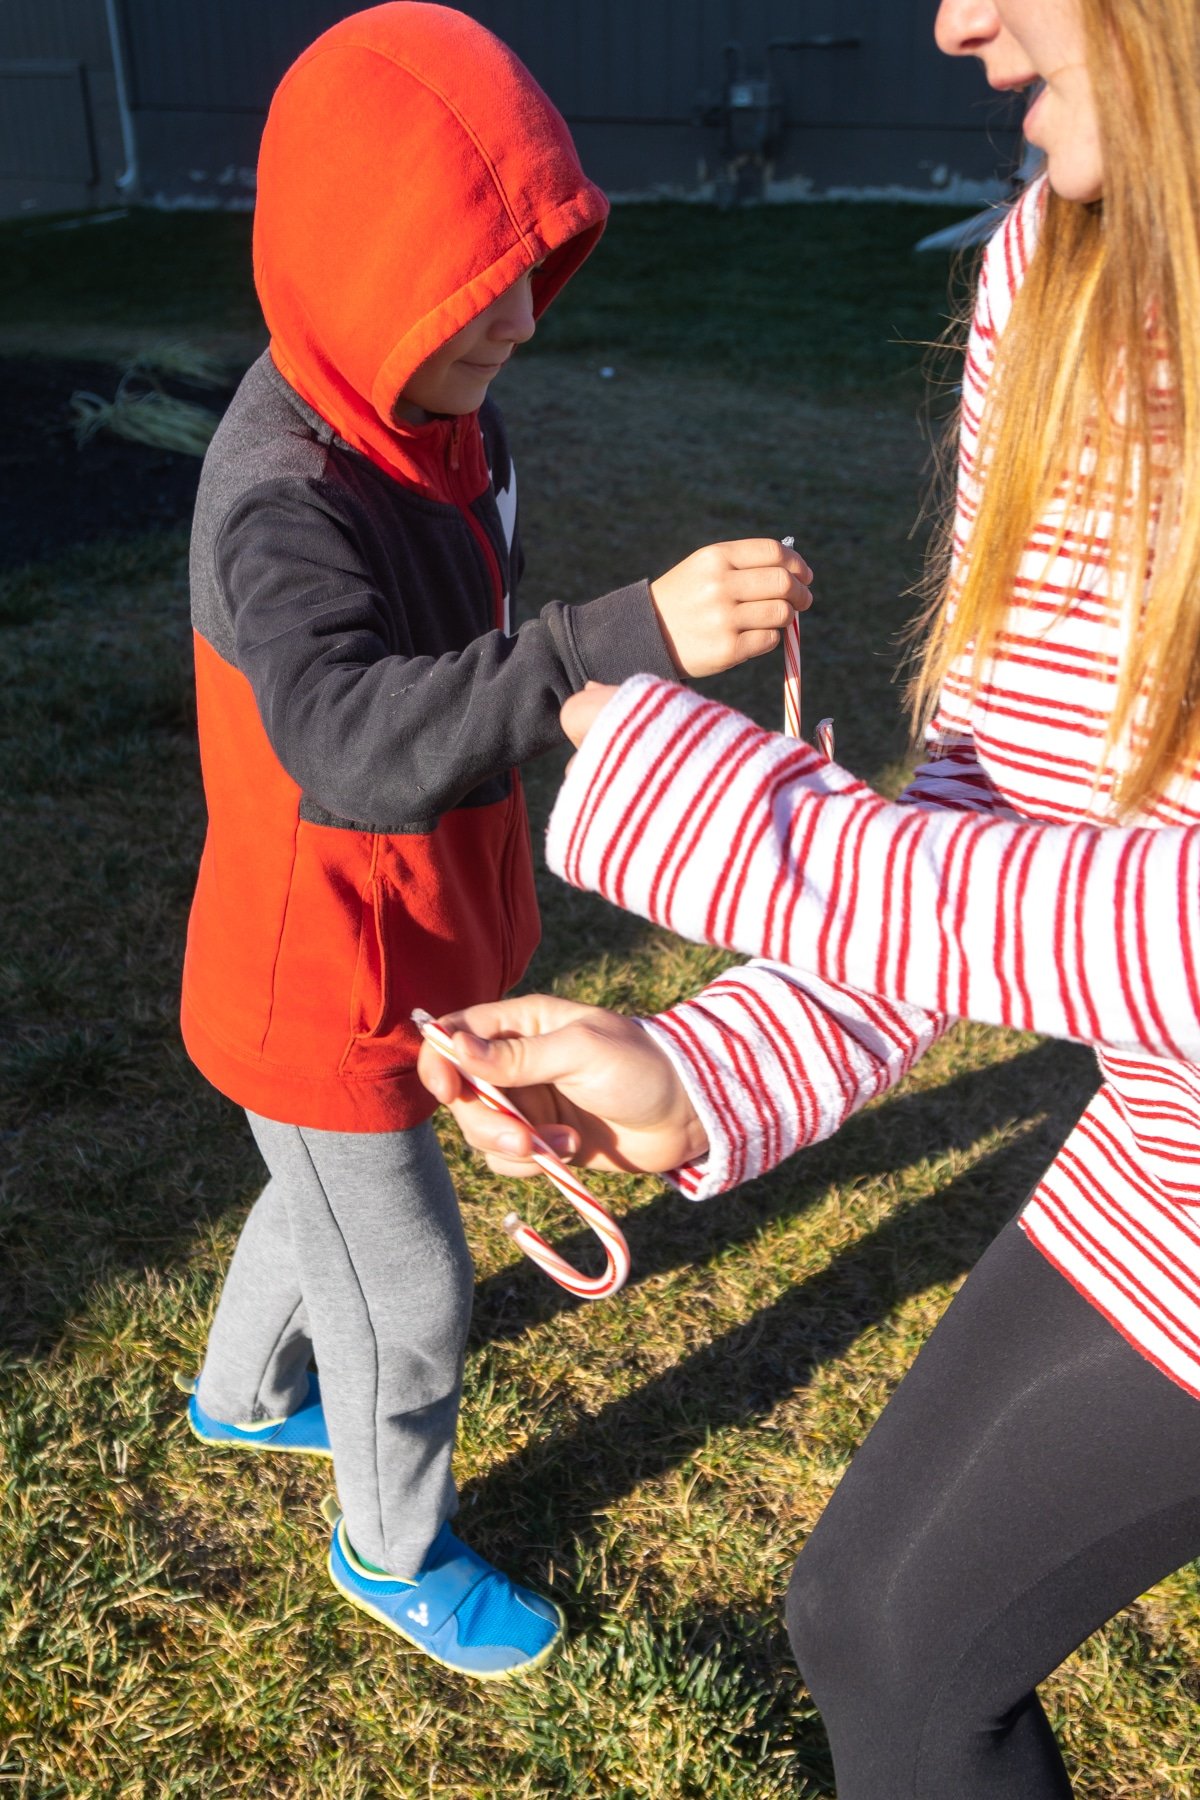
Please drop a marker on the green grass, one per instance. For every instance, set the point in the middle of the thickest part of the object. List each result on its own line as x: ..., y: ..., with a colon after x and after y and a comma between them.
x: 166, y: 1626
x: 817, y: 299
x: 172, y: 271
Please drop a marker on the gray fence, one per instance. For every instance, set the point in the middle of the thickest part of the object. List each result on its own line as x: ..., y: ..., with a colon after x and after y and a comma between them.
x: 108, y: 99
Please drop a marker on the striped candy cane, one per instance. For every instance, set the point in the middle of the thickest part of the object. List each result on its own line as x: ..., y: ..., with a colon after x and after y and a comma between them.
x: 531, y: 1242
x: 791, y: 682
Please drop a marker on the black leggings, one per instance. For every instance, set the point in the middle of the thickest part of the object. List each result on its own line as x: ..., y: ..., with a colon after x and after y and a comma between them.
x: 1031, y: 1476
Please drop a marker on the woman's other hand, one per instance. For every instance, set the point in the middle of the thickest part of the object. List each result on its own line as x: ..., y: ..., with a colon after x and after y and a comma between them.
x: 596, y: 1086
x: 579, y: 713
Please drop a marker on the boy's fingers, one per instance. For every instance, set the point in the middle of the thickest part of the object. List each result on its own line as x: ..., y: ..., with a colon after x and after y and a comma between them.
x: 763, y: 615
x: 765, y: 553
x: 798, y: 597
x: 771, y: 584
x: 757, y: 643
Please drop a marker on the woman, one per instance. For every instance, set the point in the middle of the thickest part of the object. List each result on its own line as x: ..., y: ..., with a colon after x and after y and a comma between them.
x: 1039, y: 1467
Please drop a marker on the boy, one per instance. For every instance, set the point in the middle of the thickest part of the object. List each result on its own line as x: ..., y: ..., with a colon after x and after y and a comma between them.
x: 361, y: 709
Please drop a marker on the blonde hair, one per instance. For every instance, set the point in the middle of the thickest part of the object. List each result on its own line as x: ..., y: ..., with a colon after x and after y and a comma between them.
x: 1102, y: 350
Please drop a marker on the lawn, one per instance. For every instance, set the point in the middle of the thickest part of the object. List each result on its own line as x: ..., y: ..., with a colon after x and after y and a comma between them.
x: 166, y: 1624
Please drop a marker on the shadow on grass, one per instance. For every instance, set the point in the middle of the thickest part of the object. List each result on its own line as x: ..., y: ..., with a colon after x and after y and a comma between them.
x: 560, y: 1482
x: 670, y: 1232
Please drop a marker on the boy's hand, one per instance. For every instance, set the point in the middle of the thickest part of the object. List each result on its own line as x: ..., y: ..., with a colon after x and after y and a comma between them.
x: 729, y: 602
x: 597, y: 1087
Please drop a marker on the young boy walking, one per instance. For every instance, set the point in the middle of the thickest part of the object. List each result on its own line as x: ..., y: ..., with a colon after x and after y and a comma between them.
x: 362, y: 706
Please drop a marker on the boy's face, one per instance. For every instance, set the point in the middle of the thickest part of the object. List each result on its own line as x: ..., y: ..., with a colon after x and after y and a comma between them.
x: 455, y: 379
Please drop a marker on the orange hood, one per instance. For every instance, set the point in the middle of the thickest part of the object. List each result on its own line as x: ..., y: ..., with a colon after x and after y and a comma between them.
x: 411, y: 170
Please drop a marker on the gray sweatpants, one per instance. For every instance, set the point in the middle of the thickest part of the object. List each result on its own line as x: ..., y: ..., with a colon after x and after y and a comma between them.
x: 354, y: 1254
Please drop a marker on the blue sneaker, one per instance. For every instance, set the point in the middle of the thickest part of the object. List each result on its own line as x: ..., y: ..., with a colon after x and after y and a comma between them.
x: 458, y: 1609
x: 303, y: 1433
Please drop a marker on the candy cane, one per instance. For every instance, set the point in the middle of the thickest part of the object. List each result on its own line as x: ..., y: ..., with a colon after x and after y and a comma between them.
x: 535, y: 1247
x: 791, y: 682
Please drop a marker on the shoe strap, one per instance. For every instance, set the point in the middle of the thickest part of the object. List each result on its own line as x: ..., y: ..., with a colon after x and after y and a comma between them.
x: 442, y: 1590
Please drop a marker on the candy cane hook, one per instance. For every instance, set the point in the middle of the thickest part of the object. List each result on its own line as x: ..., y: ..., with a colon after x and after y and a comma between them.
x: 531, y: 1242
x: 791, y: 682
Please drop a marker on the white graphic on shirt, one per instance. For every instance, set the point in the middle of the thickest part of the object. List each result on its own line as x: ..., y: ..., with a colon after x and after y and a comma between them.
x: 506, y: 505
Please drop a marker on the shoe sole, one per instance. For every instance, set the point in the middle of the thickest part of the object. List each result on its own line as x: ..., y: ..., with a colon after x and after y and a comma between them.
x: 216, y: 1443
x: 382, y: 1618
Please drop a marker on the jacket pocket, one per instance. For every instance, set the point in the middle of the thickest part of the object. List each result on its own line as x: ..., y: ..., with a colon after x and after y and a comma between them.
x: 369, y: 989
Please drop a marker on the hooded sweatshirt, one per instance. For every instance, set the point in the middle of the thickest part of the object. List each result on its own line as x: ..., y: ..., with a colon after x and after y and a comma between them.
x: 361, y: 702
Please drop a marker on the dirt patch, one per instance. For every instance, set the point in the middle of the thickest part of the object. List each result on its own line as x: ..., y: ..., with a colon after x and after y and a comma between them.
x: 55, y: 494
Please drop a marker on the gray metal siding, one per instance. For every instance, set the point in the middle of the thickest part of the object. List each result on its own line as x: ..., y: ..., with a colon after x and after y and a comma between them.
x: 602, y: 60
x: 636, y: 59
x: 69, y: 30
x: 224, y: 56
x: 46, y: 128
x: 631, y: 76
x: 60, y: 144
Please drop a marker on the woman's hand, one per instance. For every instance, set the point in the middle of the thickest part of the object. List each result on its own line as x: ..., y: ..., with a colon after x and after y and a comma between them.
x: 579, y: 713
x: 597, y: 1087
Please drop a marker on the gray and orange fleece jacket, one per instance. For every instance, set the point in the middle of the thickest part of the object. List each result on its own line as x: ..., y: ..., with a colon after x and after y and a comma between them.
x: 361, y: 701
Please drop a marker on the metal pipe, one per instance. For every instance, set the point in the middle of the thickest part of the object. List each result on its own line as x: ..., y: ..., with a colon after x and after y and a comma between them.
x: 130, y: 177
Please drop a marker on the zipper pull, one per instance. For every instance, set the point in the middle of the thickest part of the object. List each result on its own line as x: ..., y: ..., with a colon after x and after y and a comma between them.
x: 455, y: 441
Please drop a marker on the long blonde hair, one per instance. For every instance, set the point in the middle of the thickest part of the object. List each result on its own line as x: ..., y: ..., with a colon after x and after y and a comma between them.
x: 1106, y: 323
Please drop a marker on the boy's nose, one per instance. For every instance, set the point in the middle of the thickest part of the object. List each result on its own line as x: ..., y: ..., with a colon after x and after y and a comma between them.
x: 514, y: 322
x: 965, y: 27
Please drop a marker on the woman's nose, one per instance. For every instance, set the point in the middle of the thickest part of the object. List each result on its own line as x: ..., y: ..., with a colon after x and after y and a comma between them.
x: 965, y: 27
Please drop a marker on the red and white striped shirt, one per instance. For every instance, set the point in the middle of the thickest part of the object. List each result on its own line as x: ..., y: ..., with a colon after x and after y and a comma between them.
x: 997, y: 889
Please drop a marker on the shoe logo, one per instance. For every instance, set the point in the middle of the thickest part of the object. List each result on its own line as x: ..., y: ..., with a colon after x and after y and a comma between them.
x: 419, y: 1613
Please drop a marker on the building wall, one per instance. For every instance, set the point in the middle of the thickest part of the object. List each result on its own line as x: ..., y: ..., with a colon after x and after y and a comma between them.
x: 60, y: 134
x: 641, y: 82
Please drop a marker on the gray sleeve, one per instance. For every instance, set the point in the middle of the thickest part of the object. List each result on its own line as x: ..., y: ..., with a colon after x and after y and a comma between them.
x: 371, y: 732
x: 617, y: 636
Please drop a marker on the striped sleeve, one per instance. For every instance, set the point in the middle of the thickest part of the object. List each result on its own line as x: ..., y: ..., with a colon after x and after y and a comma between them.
x: 773, y: 1061
x: 686, y: 812
x: 809, y: 1053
